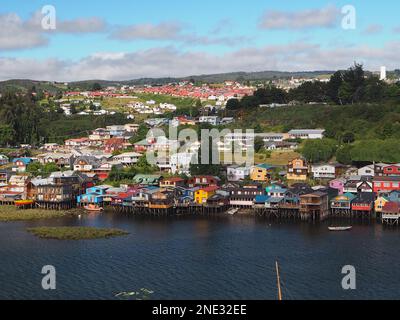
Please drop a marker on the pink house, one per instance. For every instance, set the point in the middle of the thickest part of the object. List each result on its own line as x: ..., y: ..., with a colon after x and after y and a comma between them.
x: 338, y: 184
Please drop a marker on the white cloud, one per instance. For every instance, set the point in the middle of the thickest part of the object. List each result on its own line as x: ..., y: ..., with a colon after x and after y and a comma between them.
x: 169, y: 61
x: 14, y: 34
x: 148, y: 31
x: 313, y: 18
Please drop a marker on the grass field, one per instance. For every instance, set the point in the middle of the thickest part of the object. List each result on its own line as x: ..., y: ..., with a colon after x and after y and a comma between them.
x: 75, y: 233
x: 278, y: 158
x: 11, y: 213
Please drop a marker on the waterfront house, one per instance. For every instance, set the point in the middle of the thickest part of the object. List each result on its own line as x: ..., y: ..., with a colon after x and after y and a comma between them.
x: 307, y: 134
x: 244, y: 196
x: 292, y: 195
x: 386, y: 184
x: 391, y: 213
x: 147, y: 179
x: 338, y: 184
x: 394, y: 196
x: 3, y: 160
x: 276, y: 190
x: 20, y: 164
x: 172, y: 183
x: 363, y: 203
x: 93, y: 195
x: 380, y: 202
x: 314, y: 206
x: 342, y: 203
x: 203, y: 194
x: 237, y: 173
x: 200, y: 181
x: 297, y: 170
x: 261, y: 173
x: 185, y: 195
x: 52, y: 191
x: 161, y: 200
x: 219, y: 199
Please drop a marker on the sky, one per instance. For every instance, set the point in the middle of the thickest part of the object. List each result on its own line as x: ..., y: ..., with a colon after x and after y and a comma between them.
x: 128, y: 39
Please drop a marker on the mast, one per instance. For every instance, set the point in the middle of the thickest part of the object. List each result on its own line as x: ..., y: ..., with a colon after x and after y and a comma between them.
x: 278, y: 279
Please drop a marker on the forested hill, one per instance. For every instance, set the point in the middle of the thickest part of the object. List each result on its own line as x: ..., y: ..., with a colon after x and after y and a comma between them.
x: 26, y: 84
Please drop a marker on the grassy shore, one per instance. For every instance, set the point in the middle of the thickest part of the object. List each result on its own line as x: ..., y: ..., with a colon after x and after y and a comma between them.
x: 11, y: 213
x: 75, y: 233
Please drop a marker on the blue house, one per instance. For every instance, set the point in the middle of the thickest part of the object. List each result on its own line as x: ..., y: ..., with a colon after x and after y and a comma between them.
x: 93, y: 195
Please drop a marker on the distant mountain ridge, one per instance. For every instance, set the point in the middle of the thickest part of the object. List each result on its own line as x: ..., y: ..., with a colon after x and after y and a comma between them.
x: 27, y: 84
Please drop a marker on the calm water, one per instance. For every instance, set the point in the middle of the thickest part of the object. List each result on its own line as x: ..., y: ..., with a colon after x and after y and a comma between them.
x: 201, y: 258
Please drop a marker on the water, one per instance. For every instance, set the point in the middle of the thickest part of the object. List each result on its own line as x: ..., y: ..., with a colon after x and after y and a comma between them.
x: 201, y: 258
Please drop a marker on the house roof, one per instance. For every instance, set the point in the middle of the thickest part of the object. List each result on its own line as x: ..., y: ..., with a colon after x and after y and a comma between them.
x: 391, y: 207
x: 209, y: 189
x: 25, y: 161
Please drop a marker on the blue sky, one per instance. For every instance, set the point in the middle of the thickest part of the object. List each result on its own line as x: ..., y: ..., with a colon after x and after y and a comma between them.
x: 125, y: 39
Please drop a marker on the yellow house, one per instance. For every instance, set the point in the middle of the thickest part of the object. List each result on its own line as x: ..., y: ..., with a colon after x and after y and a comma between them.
x: 261, y: 173
x: 380, y: 203
x: 297, y: 170
x: 202, y: 195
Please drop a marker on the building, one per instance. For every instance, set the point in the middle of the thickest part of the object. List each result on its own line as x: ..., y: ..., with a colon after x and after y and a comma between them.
x: 324, y: 171
x: 244, y: 196
x: 307, y: 134
x: 338, y: 184
x: 314, y: 206
x: 380, y: 202
x: 20, y: 164
x: 127, y: 159
x: 212, y: 120
x: 391, y: 213
x: 383, y: 74
x: 367, y: 171
x: 342, y: 203
x: 147, y: 179
x: 261, y: 173
x: 297, y: 170
x: 363, y: 203
x: 237, y: 173
x: 172, y: 183
x: 203, y: 194
x: 180, y: 162
x: 3, y: 159
x: 201, y: 181
x: 385, y: 184
x: 86, y: 163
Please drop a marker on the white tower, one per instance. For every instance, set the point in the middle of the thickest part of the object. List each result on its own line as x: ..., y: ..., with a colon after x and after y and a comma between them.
x: 383, y: 73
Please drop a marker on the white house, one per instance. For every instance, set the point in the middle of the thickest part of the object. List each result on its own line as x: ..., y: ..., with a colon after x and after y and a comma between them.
x: 213, y: 120
x: 324, y: 171
x: 367, y: 171
x: 127, y: 159
x: 307, y: 134
x: 236, y: 173
x: 3, y: 159
x: 180, y: 162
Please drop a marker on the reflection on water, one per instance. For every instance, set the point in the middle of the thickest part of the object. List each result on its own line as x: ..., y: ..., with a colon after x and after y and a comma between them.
x: 201, y: 258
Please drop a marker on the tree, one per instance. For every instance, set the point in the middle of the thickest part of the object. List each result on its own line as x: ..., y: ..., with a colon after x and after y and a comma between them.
x: 204, y: 168
x: 96, y: 86
x: 233, y: 104
x: 6, y: 135
x: 258, y: 144
x: 348, y: 137
x: 319, y: 150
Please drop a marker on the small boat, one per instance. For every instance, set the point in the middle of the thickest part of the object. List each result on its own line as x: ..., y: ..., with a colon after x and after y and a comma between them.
x: 23, y: 203
x: 232, y: 212
x: 93, y: 208
x: 340, y: 228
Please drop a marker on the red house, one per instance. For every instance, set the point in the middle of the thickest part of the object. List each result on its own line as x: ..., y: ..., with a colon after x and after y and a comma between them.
x: 364, y: 202
x: 391, y: 170
x: 386, y: 184
x: 114, y: 144
x: 199, y: 181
